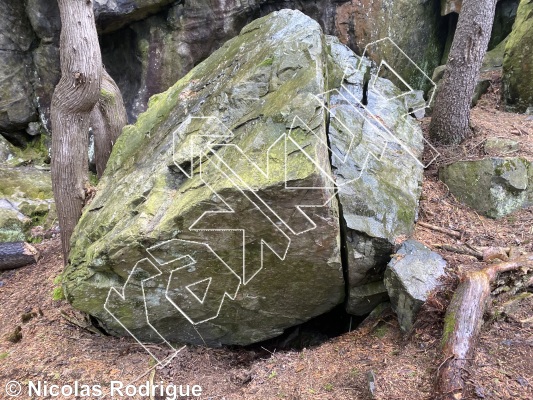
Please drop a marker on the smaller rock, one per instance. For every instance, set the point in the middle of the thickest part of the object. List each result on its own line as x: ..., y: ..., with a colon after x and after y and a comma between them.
x: 529, y: 111
x: 411, y: 275
x: 363, y: 299
x: 493, y: 59
x: 438, y: 73
x: 493, y: 186
x: 34, y: 128
x: 15, y: 336
x: 416, y: 104
x: 495, y: 146
x: 13, y: 224
x: 6, y: 150
x: 481, y: 88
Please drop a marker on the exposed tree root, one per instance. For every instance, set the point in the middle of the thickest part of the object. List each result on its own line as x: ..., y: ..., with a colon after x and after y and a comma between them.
x: 462, y: 323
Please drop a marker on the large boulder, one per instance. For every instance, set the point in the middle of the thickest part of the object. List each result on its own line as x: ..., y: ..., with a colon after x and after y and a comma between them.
x: 258, y: 258
x: 217, y: 219
x: 493, y: 186
x: 412, y: 274
x: 518, y: 61
x: 376, y: 165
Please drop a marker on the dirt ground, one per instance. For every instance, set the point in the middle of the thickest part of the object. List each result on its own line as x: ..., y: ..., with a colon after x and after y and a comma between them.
x: 56, y: 350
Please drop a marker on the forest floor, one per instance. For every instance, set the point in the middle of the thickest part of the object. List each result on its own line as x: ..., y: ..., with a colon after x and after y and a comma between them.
x: 54, y: 349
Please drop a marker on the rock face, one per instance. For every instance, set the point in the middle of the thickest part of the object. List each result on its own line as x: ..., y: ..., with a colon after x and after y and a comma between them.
x: 518, y: 61
x: 169, y: 44
x: 218, y: 211
x: 504, y: 18
x: 493, y: 186
x: 375, y: 163
x: 250, y: 90
x: 411, y: 275
x: 113, y: 14
x: 16, y: 37
x: 148, y: 45
x: 415, y: 27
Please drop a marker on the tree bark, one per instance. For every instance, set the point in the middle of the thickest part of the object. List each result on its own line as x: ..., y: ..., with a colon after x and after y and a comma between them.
x: 72, y: 102
x: 107, y: 120
x: 17, y: 254
x: 450, y: 123
x: 462, y: 323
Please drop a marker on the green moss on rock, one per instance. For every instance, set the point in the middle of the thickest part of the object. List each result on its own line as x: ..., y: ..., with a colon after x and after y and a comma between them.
x: 518, y: 61
x: 493, y: 186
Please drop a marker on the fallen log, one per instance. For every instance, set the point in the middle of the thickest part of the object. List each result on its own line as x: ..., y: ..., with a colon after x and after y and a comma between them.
x: 462, y: 323
x: 17, y: 254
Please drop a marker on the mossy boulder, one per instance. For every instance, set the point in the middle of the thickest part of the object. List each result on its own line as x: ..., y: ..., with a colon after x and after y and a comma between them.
x: 216, y: 163
x: 493, y: 186
x: 26, y: 200
x: 217, y: 222
x: 518, y: 61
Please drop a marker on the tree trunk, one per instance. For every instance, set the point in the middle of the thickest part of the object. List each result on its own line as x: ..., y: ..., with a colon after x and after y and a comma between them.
x: 73, y: 100
x: 107, y: 120
x: 450, y: 123
x: 17, y: 254
x: 462, y: 323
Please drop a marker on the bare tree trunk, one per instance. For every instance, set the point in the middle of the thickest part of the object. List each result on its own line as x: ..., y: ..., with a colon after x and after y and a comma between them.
x: 450, y: 123
x: 73, y: 100
x: 107, y: 120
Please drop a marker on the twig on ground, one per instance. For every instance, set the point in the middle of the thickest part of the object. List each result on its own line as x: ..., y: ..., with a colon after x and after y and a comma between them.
x: 441, y: 230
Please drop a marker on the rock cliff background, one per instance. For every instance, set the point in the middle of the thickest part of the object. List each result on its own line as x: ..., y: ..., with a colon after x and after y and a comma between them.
x: 148, y: 45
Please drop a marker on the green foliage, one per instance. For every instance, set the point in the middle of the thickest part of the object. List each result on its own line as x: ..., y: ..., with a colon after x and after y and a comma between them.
x: 57, y: 294
x: 381, y: 331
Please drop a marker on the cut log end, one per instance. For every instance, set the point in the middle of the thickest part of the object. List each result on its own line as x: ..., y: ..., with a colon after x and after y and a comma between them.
x: 16, y: 255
